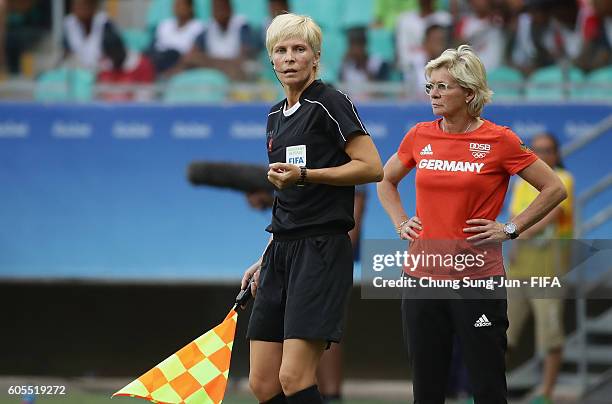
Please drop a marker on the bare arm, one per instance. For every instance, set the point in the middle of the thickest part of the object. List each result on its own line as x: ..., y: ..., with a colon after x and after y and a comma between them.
x: 253, y: 271
x: 355, y: 233
x: 537, y: 228
x: 552, y: 192
x: 388, y: 193
x: 3, y: 13
x: 365, y: 166
x: 389, y: 197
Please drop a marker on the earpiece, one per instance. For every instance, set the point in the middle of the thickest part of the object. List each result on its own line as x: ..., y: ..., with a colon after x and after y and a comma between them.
x: 276, y: 73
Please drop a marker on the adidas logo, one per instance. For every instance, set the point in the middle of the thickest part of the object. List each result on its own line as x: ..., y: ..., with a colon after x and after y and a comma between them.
x: 483, y: 321
x: 427, y: 151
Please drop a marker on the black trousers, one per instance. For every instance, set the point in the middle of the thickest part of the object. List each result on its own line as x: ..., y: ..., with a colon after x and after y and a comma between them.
x: 429, y: 328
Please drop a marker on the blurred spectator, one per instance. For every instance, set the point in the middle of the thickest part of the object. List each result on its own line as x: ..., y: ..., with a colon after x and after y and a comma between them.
x: 534, y: 43
x: 552, y: 31
x: 22, y: 24
x: 411, y: 28
x: 514, y: 6
x: 358, y: 66
x: 603, y: 9
x: 275, y: 7
x: 571, y: 22
x: 581, y: 34
x: 598, y: 48
x: 123, y: 66
x: 482, y: 28
x: 434, y: 43
x: 84, y: 30
x: 543, y: 251
x: 225, y: 44
x: 3, y: 13
x: 387, y: 11
x: 174, y: 37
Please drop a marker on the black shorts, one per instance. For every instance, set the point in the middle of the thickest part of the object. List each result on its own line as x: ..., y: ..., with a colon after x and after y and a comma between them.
x: 303, y: 290
x: 430, y: 326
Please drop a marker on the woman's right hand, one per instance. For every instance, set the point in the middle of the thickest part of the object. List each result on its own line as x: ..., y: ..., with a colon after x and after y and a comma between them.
x: 408, y: 229
x: 252, y: 272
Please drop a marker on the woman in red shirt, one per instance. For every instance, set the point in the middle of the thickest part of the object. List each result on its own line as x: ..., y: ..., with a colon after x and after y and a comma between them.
x: 463, y: 167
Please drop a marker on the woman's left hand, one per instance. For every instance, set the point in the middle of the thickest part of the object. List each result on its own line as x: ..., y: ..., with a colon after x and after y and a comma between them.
x: 283, y: 175
x: 489, y: 231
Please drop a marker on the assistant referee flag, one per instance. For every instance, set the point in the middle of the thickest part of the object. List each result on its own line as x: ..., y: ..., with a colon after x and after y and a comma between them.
x: 195, y: 374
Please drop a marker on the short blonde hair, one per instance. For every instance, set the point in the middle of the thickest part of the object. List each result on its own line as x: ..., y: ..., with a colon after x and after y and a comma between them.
x: 467, y: 69
x: 290, y: 26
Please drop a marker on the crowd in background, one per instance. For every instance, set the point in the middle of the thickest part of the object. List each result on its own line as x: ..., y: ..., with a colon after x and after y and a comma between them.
x: 523, y: 34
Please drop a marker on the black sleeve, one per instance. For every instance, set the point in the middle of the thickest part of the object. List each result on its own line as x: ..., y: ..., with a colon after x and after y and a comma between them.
x: 111, y: 36
x: 200, y: 42
x: 246, y: 38
x: 383, y: 72
x: 344, y: 121
x: 65, y: 43
x: 111, y: 30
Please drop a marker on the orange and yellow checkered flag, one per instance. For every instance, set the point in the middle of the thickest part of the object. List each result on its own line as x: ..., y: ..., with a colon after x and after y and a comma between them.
x: 196, y: 374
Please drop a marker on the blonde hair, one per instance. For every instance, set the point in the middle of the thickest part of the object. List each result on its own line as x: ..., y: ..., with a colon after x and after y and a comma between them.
x: 290, y: 26
x: 467, y: 69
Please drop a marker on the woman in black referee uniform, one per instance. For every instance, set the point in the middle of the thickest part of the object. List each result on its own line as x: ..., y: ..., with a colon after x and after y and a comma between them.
x: 318, y: 150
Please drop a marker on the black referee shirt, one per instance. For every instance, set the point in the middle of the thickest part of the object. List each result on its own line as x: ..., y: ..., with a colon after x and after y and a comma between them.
x: 314, y: 136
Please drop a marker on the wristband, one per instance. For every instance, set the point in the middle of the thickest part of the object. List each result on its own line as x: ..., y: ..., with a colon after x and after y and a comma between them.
x: 302, y: 180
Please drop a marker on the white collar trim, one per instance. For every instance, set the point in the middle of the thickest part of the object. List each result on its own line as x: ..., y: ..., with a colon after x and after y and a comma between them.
x: 290, y: 111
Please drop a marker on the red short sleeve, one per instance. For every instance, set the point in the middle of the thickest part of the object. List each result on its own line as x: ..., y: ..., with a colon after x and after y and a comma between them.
x: 515, y: 154
x: 404, y: 152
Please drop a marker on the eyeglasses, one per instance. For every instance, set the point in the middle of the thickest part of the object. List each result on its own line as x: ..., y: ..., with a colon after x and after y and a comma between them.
x: 441, y: 87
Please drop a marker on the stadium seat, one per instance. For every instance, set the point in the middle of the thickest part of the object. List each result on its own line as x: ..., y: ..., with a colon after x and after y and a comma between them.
x: 599, y: 84
x: 136, y: 39
x: 199, y: 85
x: 549, y: 84
x: 161, y: 9
x: 380, y: 43
x: 65, y: 85
x: 158, y: 10
x: 266, y: 73
x: 506, y: 83
x: 326, y: 13
x: 256, y: 11
x: 360, y: 13
x: 332, y: 54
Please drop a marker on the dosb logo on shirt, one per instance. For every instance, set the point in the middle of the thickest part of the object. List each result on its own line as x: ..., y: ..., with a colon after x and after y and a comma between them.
x: 480, y: 150
x: 296, y: 155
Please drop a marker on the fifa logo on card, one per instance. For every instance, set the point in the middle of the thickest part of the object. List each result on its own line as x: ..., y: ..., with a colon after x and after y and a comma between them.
x: 296, y: 155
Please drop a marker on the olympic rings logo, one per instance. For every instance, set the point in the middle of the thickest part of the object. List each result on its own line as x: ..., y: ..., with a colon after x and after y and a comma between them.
x: 478, y: 155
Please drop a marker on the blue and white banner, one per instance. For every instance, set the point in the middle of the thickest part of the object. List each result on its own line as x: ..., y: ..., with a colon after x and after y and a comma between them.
x: 100, y: 191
